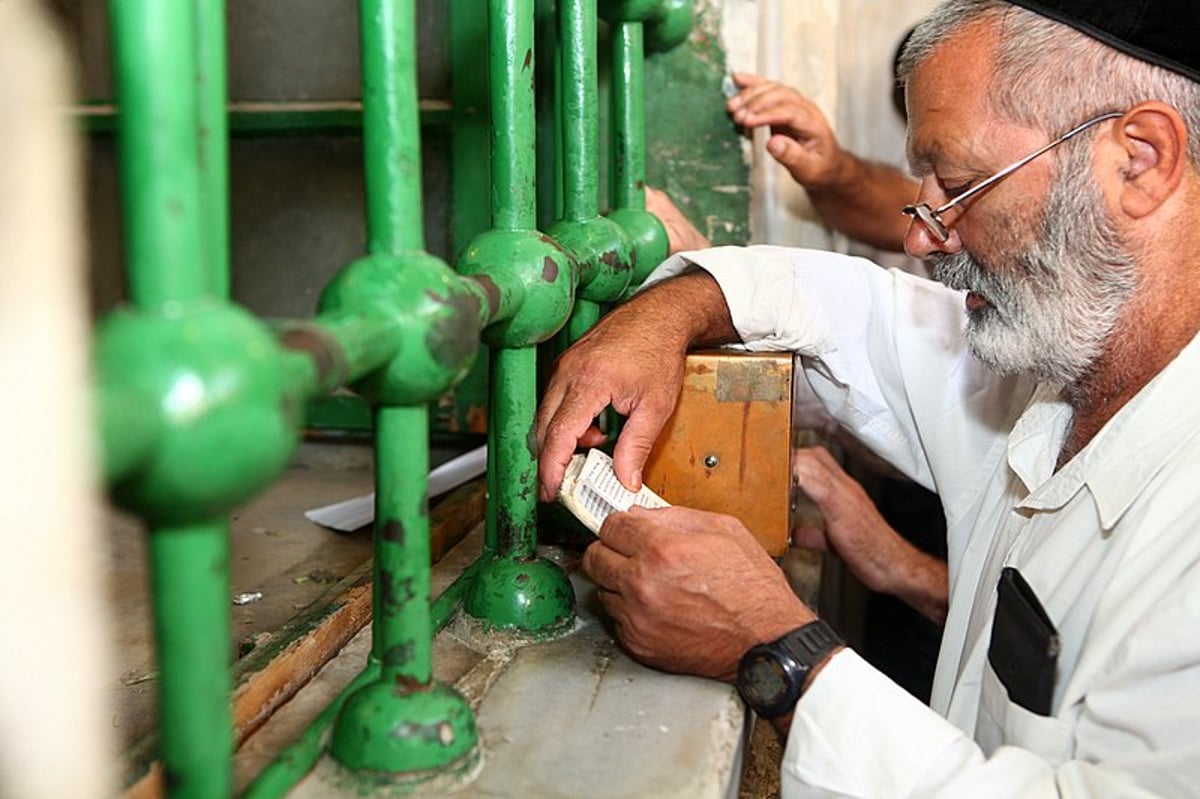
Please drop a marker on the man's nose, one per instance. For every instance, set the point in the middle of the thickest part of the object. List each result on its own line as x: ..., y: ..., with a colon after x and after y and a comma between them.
x: 920, y: 242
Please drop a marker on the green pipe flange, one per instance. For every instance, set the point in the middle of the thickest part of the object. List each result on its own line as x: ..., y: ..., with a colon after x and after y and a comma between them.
x: 604, y: 252
x: 529, y: 281
x: 533, y: 596
x: 227, y: 423
x: 402, y: 734
x: 435, y: 316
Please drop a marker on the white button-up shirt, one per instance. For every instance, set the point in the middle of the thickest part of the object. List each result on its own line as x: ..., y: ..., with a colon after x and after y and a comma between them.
x: 1110, y: 544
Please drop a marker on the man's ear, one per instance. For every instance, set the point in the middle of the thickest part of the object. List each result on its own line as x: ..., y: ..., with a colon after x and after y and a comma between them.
x: 1153, y: 141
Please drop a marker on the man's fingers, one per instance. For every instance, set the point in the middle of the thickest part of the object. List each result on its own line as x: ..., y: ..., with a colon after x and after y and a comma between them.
x: 603, y: 564
x: 559, y: 433
x: 633, y: 447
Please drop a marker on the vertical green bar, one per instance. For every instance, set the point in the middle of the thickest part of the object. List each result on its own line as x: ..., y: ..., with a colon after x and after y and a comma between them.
x: 189, y: 568
x: 213, y: 142
x: 514, y: 129
x: 580, y: 101
x: 513, y: 405
x: 154, y: 64
x: 403, y: 630
x: 629, y: 117
x: 391, y: 127
x: 391, y: 141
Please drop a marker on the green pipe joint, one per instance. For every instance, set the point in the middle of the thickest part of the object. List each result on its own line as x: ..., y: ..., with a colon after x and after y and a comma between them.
x: 649, y: 238
x: 671, y: 26
x: 529, y: 281
x: 214, y: 382
x: 604, y: 252
x: 433, y: 316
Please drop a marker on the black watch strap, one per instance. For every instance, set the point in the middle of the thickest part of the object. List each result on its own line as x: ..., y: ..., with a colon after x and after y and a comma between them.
x: 812, y: 642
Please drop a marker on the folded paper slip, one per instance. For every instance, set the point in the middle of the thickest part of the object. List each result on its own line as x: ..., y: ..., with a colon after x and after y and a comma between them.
x: 590, y: 490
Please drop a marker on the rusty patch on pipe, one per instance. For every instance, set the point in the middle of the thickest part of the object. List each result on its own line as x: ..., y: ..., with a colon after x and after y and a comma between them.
x: 528, y: 59
x: 549, y: 269
x: 491, y: 291
x: 393, y: 531
x: 324, y: 349
x: 450, y: 340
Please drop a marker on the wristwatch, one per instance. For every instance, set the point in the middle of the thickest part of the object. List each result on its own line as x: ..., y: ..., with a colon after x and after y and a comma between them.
x: 771, y: 676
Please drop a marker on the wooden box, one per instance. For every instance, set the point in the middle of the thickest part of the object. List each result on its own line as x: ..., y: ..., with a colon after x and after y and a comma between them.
x: 727, y: 447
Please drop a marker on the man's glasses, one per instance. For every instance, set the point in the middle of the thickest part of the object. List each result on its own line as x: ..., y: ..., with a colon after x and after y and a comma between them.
x: 932, y: 218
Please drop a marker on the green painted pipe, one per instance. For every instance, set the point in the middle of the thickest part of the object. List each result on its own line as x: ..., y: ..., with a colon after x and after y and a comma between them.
x: 403, y: 728
x: 391, y: 127
x: 514, y: 589
x: 601, y: 248
x: 629, y: 118
x: 514, y: 129
x: 189, y: 572
x: 154, y: 54
x: 298, y: 758
x: 579, y: 109
x: 628, y: 174
x: 213, y: 146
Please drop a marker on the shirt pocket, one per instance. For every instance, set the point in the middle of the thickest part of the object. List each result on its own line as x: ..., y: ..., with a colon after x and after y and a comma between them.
x: 1005, y: 723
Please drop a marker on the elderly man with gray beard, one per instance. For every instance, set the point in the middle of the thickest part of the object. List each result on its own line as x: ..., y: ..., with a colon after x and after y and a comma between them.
x: 1057, y: 144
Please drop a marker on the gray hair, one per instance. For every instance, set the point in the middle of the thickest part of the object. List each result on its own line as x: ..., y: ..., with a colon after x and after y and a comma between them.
x: 1051, y: 76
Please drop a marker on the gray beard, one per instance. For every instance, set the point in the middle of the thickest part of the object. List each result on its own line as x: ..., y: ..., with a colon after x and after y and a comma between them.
x: 1051, y: 309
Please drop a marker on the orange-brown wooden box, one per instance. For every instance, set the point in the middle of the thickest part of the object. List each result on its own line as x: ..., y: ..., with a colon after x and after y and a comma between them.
x: 727, y: 447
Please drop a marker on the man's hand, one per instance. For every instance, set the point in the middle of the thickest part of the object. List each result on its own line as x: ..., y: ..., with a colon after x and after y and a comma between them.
x: 690, y: 591
x: 681, y: 233
x: 879, y: 556
x: 802, y: 139
x: 633, y: 360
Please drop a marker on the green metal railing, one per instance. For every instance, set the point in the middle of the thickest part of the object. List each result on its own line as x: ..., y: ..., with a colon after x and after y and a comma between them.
x: 201, y: 404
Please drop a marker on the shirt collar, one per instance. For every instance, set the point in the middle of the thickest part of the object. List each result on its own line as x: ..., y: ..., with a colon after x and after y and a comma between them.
x: 1123, y: 457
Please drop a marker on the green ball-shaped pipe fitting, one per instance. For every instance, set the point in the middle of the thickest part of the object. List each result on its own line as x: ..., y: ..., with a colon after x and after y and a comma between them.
x: 530, y: 283
x: 405, y: 734
x: 649, y: 241
x: 629, y: 10
x: 434, y: 315
x: 670, y: 27
x: 227, y: 426
x: 604, y: 253
x: 533, y: 596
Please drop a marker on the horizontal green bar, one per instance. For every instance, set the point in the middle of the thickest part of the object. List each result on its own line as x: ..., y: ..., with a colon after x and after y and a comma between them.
x: 100, y: 116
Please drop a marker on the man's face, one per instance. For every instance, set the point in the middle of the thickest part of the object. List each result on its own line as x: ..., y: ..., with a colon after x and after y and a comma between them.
x: 1045, y: 271
x: 1048, y: 307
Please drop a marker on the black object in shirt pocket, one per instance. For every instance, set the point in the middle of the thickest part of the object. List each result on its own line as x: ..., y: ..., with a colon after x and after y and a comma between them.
x: 1025, y: 645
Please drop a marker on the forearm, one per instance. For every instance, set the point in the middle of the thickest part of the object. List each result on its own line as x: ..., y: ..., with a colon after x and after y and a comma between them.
x: 685, y: 311
x: 920, y: 581
x: 864, y: 202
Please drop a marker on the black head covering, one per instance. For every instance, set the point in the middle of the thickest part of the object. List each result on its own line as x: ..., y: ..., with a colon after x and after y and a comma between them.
x: 1162, y: 32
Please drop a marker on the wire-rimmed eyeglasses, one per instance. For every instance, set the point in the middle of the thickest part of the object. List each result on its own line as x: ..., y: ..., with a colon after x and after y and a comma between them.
x: 932, y: 218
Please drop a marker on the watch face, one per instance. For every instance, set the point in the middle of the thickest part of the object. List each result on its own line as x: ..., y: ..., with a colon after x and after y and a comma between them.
x: 764, y: 681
